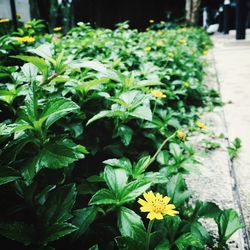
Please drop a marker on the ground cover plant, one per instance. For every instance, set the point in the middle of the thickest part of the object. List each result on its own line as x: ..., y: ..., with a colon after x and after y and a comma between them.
x: 94, y: 134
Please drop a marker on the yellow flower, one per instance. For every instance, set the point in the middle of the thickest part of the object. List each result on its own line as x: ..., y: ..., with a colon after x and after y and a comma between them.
x: 6, y: 20
x: 186, y: 84
x: 182, y: 41
x: 156, y: 206
x: 57, y: 28
x: 151, y: 21
x: 181, y: 135
x: 205, y: 53
x: 170, y: 54
x: 159, y: 43
x: 27, y: 26
x: 162, y: 22
x: 157, y: 93
x: 147, y: 29
x: 200, y: 124
x: 26, y: 39
x: 147, y: 48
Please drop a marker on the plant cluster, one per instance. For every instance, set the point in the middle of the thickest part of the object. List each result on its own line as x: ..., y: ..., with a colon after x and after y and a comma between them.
x: 90, y: 122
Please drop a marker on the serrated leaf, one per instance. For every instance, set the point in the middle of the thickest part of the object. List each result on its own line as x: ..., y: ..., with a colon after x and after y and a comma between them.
x: 187, y: 240
x: 57, y: 208
x: 8, y: 175
x: 206, y: 209
x: 142, y: 112
x: 116, y: 179
x: 119, y: 163
x: 57, y: 231
x: 56, y: 109
x: 30, y: 71
x: 18, y: 231
x: 103, y: 197
x: 141, y: 166
x: 129, y: 223
x: 177, y: 190
x: 37, y: 61
x: 175, y: 150
x: 228, y: 223
x: 106, y: 113
x: 86, y: 86
x: 133, y: 189
x: 83, y: 219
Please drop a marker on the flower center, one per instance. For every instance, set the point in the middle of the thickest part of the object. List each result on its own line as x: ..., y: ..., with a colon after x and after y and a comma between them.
x: 158, y: 205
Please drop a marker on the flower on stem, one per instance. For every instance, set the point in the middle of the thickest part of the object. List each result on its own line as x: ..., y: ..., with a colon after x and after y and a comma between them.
x: 157, y: 206
x: 182, y: 41
x: 159, y: 43
x: 170, y: 54
x: 181, y: 135
x: 147, y: 49
x: 200, y: 124
x: 25, y: 39
x: 205, y: 53
x: 157, y: 93
x: 151, y: 21
x: 27, y: 26
x: 57, y: 29
x: 4, y: 20
x: 162, y: 22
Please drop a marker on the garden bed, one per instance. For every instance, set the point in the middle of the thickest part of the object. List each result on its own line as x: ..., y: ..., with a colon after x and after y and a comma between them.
x: 95, y: 119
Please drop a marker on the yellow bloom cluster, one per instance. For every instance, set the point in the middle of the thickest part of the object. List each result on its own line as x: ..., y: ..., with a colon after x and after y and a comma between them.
x: 186, y: 84
x: 182, y: 41
x: 160, y: 43
x: 27, y: 26
x: 170, y: 54
x: 200, y: 124
x: 57, y: 29
x: 156, y: 206
x: 162, y: 22
x: 181, y: 135
x: 26, y: 39
x: 205, y: 53
x: 151, y: 21
x: 147, y: 48
x: 6, y: 20
x: 157, y: 93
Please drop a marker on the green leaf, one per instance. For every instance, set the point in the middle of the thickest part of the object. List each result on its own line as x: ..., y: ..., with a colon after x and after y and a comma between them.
x: 8, y: 175
x: 107, y: 113
x: 125, y: 134
x: 164, y: 245
x: 206, y: 209
x: 83, y: 218
x: 57, y: 231
x: 129, y: 223
x: 86, y: 86
x: 57, y: 208
x: 133, y: 189
x: 30, y: 72
x: 228, y: 223
x: 60, y: 154
x: 56, y: 109
x: 177, y: 190
x: 187, y: 240
x: 116, y: 179
x: 175, y: 150
x: 200, y: 232
x: 119, y: 163
x: 142, y: 112
x: 141, y: 166
x: 18, y: 231
x: 171, y: 226
x: 37, y: 61
x: 95, y: 247
x: 103, y: 197
x: 127, y: 243
x: 44, y: 50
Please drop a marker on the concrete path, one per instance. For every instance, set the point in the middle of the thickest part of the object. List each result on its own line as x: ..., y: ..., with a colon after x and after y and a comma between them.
x: 232, y: 61
x: 223, y: 181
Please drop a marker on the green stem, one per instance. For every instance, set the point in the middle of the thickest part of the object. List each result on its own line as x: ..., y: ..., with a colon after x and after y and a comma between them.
x: 160, y: 148
x: 150, y: 225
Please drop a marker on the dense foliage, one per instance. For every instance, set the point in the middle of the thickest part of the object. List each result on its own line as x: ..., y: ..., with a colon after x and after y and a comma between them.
x: 91, y: 120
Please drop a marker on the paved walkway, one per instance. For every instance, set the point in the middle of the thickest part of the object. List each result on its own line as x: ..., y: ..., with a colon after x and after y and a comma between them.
x: 232, y: 62
x: 223, y: 181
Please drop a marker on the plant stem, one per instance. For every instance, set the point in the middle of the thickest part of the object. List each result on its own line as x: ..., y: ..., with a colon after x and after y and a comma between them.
x: 150, y: 225
x: 160, y: 148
